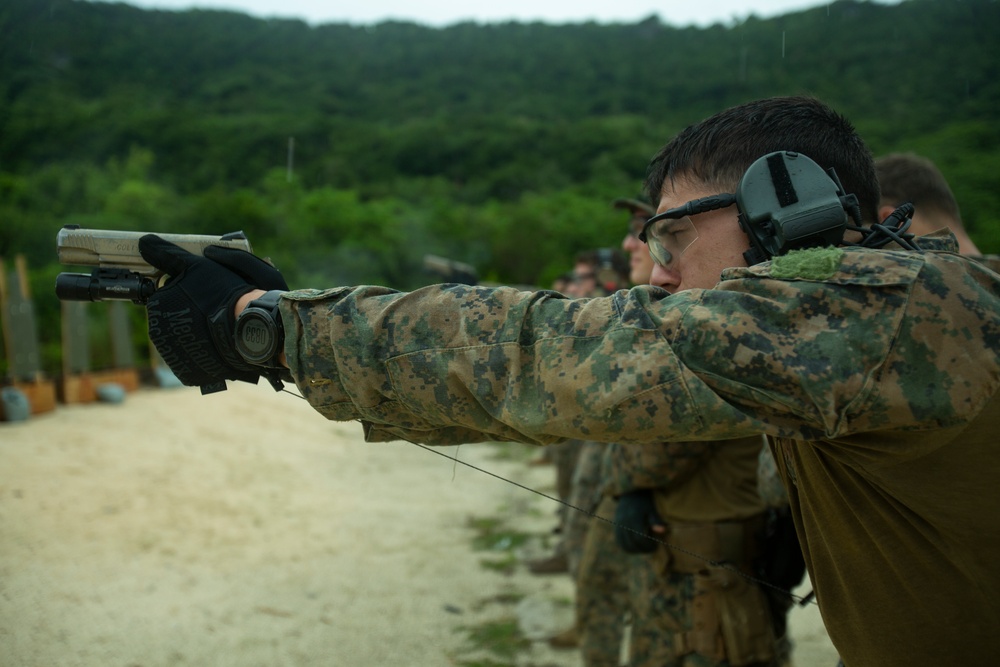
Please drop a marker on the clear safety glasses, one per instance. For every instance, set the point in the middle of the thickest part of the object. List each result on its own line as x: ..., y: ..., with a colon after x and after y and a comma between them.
x: 670, y: 233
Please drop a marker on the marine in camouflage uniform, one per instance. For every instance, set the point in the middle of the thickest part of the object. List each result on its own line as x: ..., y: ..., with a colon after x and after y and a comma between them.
x: 602, y: 601
x: 705, y: 495
x: 875, y: 372
x: 911, y: 178
x: 865, y: 424
x: 601, y: 598
x: 603, y: 272
x: 602, y: 605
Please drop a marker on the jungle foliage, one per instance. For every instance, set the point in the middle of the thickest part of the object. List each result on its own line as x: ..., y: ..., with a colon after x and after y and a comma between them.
x: 346, y: 152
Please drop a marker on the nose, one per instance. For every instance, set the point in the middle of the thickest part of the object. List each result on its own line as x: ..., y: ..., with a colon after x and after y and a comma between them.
x: 661, y: 277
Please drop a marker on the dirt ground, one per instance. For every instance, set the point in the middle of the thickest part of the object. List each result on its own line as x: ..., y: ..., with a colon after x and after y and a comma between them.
x: 244, y: 529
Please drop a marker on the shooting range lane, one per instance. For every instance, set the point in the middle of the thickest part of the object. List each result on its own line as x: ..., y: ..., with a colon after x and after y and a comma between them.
x: 243, y: 529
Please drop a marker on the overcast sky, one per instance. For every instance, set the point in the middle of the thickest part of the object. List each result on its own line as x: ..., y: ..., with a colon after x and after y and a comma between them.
x: 446, y: 12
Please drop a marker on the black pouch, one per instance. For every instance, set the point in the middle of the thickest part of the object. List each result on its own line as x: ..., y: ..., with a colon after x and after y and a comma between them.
x: 780, y: 562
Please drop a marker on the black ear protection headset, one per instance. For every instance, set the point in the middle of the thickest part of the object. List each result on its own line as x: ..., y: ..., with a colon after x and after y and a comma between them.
x: 786, y: 202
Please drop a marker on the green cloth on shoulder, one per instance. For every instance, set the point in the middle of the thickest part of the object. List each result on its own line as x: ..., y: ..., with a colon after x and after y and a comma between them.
x: 808, y: 264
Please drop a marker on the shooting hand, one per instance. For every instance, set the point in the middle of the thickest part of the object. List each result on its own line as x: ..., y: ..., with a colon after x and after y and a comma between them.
x: 637, y: 522
x: 250, y: 268
x: 191, y: 319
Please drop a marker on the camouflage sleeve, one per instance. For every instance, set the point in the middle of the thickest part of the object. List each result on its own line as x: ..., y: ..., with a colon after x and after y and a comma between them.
x: 450, y: 363
x: 764, y: 352
x: 661, y: 465
x: 991, y: 261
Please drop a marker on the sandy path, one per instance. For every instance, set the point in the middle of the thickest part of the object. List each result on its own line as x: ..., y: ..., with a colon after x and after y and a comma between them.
x: 244, y: 529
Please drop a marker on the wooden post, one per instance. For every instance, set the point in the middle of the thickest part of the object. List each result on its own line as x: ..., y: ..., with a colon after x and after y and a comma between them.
x: 21, y: 339
x: 76, y: 384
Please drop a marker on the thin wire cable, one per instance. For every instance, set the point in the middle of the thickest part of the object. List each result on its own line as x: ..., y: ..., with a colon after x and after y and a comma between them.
x: 802, y: 601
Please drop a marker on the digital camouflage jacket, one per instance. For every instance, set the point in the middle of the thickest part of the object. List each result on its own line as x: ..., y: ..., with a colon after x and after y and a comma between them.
x: 874, y: 371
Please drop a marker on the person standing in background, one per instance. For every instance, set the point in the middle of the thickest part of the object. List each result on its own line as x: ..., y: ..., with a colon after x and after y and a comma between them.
x: 908, y: 177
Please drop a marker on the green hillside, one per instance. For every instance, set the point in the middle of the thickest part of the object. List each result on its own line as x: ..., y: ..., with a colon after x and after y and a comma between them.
x: 347, y: 152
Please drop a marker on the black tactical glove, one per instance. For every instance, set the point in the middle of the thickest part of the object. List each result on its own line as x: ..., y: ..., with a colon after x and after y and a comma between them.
x: 191, y: 318
x: 635, y: 515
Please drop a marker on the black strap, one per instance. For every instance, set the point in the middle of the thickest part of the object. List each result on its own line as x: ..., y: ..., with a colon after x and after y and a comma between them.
x: 783, y: 188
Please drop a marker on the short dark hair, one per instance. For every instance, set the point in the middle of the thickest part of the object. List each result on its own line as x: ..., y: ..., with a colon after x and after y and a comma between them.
x: 908, y: 177
x: 718, y: 150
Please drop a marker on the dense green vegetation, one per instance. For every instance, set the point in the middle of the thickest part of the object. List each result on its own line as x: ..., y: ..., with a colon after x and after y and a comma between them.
x: 347, y: 152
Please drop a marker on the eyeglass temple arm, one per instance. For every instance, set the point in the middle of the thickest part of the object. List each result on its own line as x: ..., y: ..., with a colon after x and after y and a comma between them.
x: 703, y: 205
x: 693, y: 207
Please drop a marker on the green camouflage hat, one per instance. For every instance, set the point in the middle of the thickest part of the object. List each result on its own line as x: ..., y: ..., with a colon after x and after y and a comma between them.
x: 634, y: 205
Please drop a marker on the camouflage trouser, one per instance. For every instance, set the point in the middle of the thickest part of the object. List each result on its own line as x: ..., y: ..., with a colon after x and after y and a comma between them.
x: 602, y: 592
x: 585, y: 494
x: 662, y: 605
x: 564, y: 457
